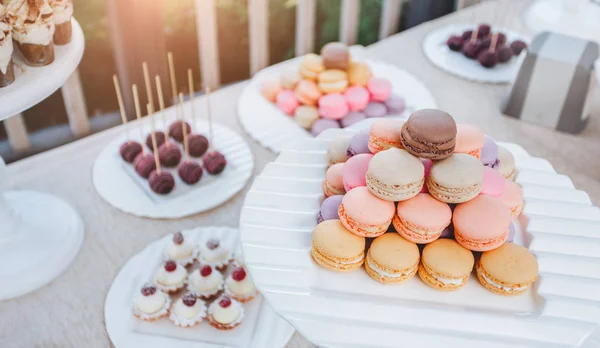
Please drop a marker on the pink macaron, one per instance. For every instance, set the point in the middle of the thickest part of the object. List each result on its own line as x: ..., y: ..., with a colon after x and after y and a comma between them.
x: 385, y: 134
x: 287, y: 102
x: 427, y: 163
x: 379, y: 88
x: 364, y: 214
x: 333, y: 106
x: 334, y: 183
x: 357, y: 98
x: 494, y: 183
x: 482, y: 223
x: 422, y: 219
x: 469, y: 140
x: 512, y: 197
x: 354, y: 171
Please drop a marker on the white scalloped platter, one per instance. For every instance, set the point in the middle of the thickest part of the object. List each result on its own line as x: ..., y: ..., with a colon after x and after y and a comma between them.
x: 456, y: 63
x: 559, y: 225
x: 276, y: 131
x: 260, y: 328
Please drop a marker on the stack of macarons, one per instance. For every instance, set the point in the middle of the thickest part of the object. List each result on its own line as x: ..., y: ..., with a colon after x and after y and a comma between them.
x: 332, y: 91
x: 425, y: 181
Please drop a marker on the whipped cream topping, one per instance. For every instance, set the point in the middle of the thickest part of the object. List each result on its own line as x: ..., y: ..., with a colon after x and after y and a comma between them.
x: 63, y: 10
x: 220, y: 254
x: 151, y: 304
x: 181, y: 310
x: 242, y: 288
x: 388, y: 274
x: 6, y: 45
x: 180, y: 251
x: 230, y: 315
x: 500, y: 286
x: 171, y: 278
x: 32, y: 20
x: 206, y: 285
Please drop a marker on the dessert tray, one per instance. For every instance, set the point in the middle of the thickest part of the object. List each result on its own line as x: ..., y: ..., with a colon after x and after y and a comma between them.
x: 559, y: 225
x: 456, y: 63
x: 260, y: 328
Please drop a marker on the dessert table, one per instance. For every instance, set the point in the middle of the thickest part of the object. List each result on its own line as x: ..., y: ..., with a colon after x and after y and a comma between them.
x: 69, y: 311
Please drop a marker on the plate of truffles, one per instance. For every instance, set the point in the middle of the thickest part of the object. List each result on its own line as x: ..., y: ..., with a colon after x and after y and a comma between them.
x: 183, y: 169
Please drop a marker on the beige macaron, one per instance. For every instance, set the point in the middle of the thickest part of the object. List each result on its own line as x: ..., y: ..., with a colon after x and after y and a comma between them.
x: 337, y: 249
x: 337, y: 150
x: 395, y: 175
x: 333, y: 80
x: 392, y: 259
x: 508, y: 270
x: 456, y: 179
x: 446, y: 265
x: 289, y: 77
x: 306, y: 115
x: 506, y: 164
x: 311, y: 66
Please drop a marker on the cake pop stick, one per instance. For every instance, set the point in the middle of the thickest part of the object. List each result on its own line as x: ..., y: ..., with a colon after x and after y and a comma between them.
x: 211, y: 139
x: 130, y: 149
x: 148, y: 85
x: 138, y: 111
x: 494, y: 43
x: 121, y: 106
x: 191, y: 88
x: 186, y: 147
x: 156, y: 159
x: 213, y: 161
x: 161, y: 104
x: 173, y: 81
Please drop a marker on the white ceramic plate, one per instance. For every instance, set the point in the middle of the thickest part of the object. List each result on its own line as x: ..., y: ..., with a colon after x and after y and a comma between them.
x: 117, y: 183
x: 456, y: 63
x: 351, y: 310
x: 34, y: 84
x: 261, y: 327
x: 276, y: 131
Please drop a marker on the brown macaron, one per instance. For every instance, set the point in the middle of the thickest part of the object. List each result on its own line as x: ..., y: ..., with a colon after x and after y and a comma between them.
x: 430, y: 134
x: 335, y: 56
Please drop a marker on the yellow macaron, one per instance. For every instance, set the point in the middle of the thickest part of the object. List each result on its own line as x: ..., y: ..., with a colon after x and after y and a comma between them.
x: 392, y: 259
x: 359, y: 74
x: 446, y: 265
x: 289, y: 77
x: 337, y: 249
x: 311, y: 66
x: 508, y: 270
x: 333, y: 80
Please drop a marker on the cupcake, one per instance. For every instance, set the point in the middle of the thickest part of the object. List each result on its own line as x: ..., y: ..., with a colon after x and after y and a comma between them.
x: 151, y: 304
x: 238, y: 258
x: 7, y: 71
x: 171, y: 277
x: 225, y: 313
x: 214, y: 254
x: 179, y: 250
x: 206, y: 282
x: 33, y: 29
x: 239, y: 285
x: 63, y: 11
x: 188, y: 311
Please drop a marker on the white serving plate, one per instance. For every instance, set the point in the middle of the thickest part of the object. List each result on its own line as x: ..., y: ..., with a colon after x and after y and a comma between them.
x: 277, y: 131
x: 560, y: 226
x: 261, y: 327
x: 456, y: 63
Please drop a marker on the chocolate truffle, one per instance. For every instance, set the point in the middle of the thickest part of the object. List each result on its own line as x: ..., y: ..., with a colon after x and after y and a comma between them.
x: 169, y: 155
x: 467, y: 35
x: 485, y: 43
x: 335, y: 56
x: 144, y: 164
x: 130, y: 150
x: 471, y: 50
x: 430, y: 134
x: 484, y: 30
x: 176, y: 130
x: 162, y: 183
x: 488, y: 59
x: 160, y: 139
x: 455, y: 43
x: 214, y: 162
x: 190, y: 172
x: 518, y: 46
x: 504, y: 54
x: 198, y: 144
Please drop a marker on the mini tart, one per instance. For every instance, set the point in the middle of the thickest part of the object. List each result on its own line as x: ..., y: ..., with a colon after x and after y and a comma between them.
x: 188, y: 311
x: 225, y: 318
x: 212, y: 252
x: 151, y: 304
x: 178, y: 249
x: 170, y: 280
x: 204, y: 283
x: 240, y: 286
x: 508, y: 270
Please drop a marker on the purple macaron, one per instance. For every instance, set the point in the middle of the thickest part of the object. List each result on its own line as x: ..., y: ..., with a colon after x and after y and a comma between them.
x: 329, y: 208
x: 322, y: 124
x: 359, y: 144
x: 448, y: 232
x: 375, y: 109
x: 489, y: 153
x: 352, y: 118
x: 511, y: 233
x: 395, y: 105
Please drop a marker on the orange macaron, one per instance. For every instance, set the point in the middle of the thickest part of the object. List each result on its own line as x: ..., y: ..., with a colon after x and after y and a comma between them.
x: 364, y: 214
x: 482, y: 223
x: 422, y: 219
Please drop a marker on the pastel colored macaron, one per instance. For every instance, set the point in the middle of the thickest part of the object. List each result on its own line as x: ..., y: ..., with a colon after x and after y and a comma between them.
x: 289, y: 77
x: 481, y: 224
x: 379, y: 88
x: 494, y: 183
x: 506, y: 163
x: 489, y: 153
x: 311, y: 66
x: 359, y: 74
x: 375, y: 109
x: 357, y: 98
x: 307, y: 92
x: 385, y: 134
x: 456, y: 179
x: 512, y: 231
x: 352, y: 117
x: 422, y: 218
x: 395, y: 175
x: 322, y: 125
x: 270, y: 89
x: 508, y: 270
x: 392, y: 259
x: 429, y: 133
x: 359, y: 144
x: 355, y: 170
x: 287, y: 102
x: 469, y: 140
x: 427, y: 163
x: 306, y: 116
x: 364, y: 214
x: 512, y: 197
x: 446, y: 265
x: 395, y: 105
x: 337, y: 149
x: 333, y: 106
x: 335, y: 248
x: 336, y: 55
x: 333, y: 81
x: 329, y: 208
x: 334, y: 183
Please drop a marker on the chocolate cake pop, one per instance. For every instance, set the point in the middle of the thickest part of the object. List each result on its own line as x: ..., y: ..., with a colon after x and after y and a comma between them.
x: 455, y: 43
x: 169, y: 154
x: 485, y: 43
x: 161, y: 183
x: 160, y: 139
x: 471, y: 50
x: 488, y: 59
x: 467, y: 35
x: 504, y: 54
x: 144, y: 164
x: 501, y: 39
x: 176, y: 130
x: 214, y: 162
x: 190, y: 172
x: 198, y: 145
x: 518, y: 46
x: 484, y: 30
x: 130, y: 150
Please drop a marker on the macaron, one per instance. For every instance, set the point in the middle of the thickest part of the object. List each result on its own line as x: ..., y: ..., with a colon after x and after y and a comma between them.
x: 494, y: 183
x: 489, y: 153
x: 429, y: 133
x: 385, y: 134
x: 379, y: 88
x: 306, y: 116
x: 469, y: 140
x: 427, y: 164
x: 456, y: 179
x: 364, y: 214
x: 512, y: 197
x: 352, y: 117
x: 395, y: 175
x: 333, y: 106
x: 395, y: 105
x: 311, y: 66
x: 375, y: 109
x: 422, y: 219
x: 359, y: 144
x: 481, y: 224
x: 329, y: 208
x: 334, y: 183
x: 307, y: 92
x: 322, y: 125
x: 446, y: 265
x: 333, y: 81
x: 337, y: 149
x: 269, y: 89
x: 509, y: 270
x: 512, y: 231
x: 289, y: 77
x: 287, y: 102
x: 506, y: 164
x: 392, y: 259
x: 336, y: 55
x: 357, y: 98
x: 335, y: 248
x: 355, y: 170
x: 359, y: 74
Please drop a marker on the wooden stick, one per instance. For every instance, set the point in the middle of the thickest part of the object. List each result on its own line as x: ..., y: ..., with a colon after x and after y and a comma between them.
x: 494, y: 42
x: 210, y: 127
x: 148, y: 84
x: 173, y: 84
x: 186, y: 146
x: 138, y: 111
x: 121, y: 105
x: 191, y: 88
x: 153, y: 134
x: 161, y: 102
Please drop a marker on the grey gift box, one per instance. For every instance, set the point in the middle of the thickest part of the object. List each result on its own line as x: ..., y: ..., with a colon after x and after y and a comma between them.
x: 554, y: 83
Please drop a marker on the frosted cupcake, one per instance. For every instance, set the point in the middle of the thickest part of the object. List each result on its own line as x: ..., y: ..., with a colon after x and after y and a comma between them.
x: 238, y: 258
x: 170, y: 277
x: 151, y: 304
x: 225, y: 313
x: 188, y: 311
x: 239, y: 286
x: 179, y: 250
x: 63, y: 11
x: 7, y: 72
x: 33, y: 29
x: 206, y: 282
x: 214, y: 253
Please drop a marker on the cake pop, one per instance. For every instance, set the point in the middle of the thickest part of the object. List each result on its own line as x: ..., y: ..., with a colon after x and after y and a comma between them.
x: 144, y: 164
x: 175, y: 130
x: 488, y: 59
x: 198, y: 145
x: 190, y: 172
x: 483, y: 30
x: 466, y: 35
x: 169, y: 154
x: 471, y: 49
x: 130, y: 150
x: 518, y: 46
x: 504, y: 54
x: 161, y: 183
x: 160, y: 139
x: 501, y: 39
x: 214, y: 162
x: 455, y: 43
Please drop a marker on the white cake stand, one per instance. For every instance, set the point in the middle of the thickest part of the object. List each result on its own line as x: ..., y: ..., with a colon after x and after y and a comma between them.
x: 39, y: 234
